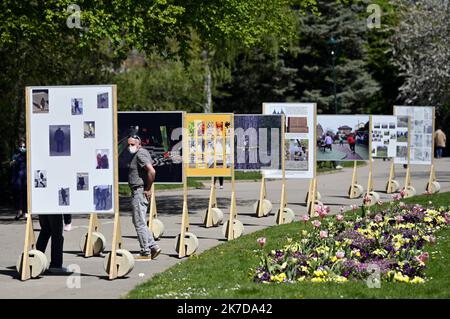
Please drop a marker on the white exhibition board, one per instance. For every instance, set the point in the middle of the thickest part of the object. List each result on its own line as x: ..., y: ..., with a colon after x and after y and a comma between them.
x: 299, y: 139
x: 70, y: 140
x: 384, y: 136
x: 421, y: 134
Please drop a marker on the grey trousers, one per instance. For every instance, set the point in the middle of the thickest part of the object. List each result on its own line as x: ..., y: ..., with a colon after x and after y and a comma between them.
x: 140, y: 208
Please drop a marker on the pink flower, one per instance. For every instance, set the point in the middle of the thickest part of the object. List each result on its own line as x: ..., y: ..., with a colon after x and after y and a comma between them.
x: 380, y: 203
x: 339, y: 217
x: 399, y: 219
x: 396, y: 197
x: 323, y: 234
x: 340, y: 254
x: 341, y: 209
x: 261, y: 241
x: 378, y: 218
x: 354, y: 207
x: 323, y: 213
x: 367, y: 199
x: 402, y: 193
x: 423, y: 257
x: 402, y: 205
x: 305, y: 218
x: 316, y: 223
x: 447, y: 218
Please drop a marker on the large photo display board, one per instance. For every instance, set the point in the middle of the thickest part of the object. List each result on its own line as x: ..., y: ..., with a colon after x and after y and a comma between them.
x: 384, y: 136
x: 343, y: 137
x: 70, y: 139
x: 421, y: 134
x: 298, y: 139
x: 258, y: 142
x: 210, y: 143
x: 161, y: 135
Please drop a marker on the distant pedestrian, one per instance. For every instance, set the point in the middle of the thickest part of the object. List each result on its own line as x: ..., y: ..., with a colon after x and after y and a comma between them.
x: 19, y: 180
x: 440, y: 140
x: 351, y: 142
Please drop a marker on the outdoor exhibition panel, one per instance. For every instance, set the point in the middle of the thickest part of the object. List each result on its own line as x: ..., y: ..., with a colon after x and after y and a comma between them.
x: 343, y: 137
x: 384, y: 136
x: 257, y: 142
x: 421, y: 131
x: 298, y: 139
x: 210, y: 144
x: 160, y: 134
x: 71, y: 143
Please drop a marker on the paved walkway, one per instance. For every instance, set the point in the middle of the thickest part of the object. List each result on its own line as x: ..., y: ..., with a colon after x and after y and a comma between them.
x: 94, y: 282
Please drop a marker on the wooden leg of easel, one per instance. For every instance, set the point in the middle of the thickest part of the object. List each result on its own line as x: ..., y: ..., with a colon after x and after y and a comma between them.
x: 308, y: 195
x: 208, y: 222
x: 431, y: 179
x: 354, y: 181
x: 152, y: 211
x: 184, y: 226
x: 391, y: 177
x: 312, y: 199
x: 93, y: 227
x: 262, y: 197
x: 408, y: 177
x: 25, y: 272
x: 233, y: 215
x: 280, y: 216
x: 370, y: 180
x: 116, y: 244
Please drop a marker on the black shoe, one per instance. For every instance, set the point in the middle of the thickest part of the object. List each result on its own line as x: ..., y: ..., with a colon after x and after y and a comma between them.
x: 155, y: 251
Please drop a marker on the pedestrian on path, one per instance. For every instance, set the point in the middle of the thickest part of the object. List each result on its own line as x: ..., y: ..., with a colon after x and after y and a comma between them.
x: 19, y: 180
x: 440, y: 140
x: 141, y: 176
x: 52, y: 227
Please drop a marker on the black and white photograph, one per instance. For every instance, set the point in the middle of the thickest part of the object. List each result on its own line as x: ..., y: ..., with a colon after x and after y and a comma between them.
x: 63, y: 196
x: 89, y: 129
x: 402, y: 152
x: 102, y: 159
x: 77, y: 106
x: 40, y: 179
x: 59, y: 140
x: 102, y: 197
x: 402, y: 121
x: 82, y: 181
x: 102, y: 101
x: 40, y: 101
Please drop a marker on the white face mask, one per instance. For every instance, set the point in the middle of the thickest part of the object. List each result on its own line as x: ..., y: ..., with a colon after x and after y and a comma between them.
x: 132, y: 149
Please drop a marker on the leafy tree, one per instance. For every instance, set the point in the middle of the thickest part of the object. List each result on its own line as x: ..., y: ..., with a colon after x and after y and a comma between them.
x: 422, y: 53
x: 354, y: 84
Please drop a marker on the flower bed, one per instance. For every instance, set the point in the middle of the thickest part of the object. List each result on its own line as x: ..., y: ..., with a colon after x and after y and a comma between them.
x: 387, y: 242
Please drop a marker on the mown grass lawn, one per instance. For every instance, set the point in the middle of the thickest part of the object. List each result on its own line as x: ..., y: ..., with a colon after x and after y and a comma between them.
x: 225, y: 271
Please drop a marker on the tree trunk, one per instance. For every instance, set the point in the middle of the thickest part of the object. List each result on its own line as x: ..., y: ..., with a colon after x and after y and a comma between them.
x: 208, y: 83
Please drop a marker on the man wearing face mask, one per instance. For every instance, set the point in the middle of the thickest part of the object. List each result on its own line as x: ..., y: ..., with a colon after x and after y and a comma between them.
x: 19, y: 180
x: 141, y: 176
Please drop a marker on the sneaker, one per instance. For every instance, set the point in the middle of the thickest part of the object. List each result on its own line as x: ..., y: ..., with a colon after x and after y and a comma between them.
x: 68, y: 227
x: 155, y: 251
x: 221, y: 187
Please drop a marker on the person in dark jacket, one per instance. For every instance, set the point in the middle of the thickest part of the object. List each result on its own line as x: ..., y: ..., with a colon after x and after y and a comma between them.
x: 19, y: 180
